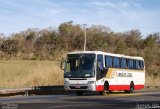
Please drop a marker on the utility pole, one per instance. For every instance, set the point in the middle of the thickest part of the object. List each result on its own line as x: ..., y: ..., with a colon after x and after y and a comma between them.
x: 84, y: 36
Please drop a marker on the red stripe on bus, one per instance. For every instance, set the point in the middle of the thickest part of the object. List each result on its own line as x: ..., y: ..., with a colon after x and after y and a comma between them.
x: 136, y: 87
x: 119, y: 87
x: 125, y: 87
x: 99, y: 88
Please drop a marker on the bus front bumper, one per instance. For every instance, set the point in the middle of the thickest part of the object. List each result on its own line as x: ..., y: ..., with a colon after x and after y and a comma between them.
x: 80, y: 87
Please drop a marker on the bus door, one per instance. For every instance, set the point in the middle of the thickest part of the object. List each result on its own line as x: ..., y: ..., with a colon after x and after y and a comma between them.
x: 100, y: 66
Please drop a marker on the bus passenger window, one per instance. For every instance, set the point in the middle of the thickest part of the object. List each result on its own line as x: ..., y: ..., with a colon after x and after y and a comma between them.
x: 99, y: 66
x: 127, y: 63
x: 108, y: 61
x: 130, y: 64
x: 123, y: 63
x: 141, y: 65
x: 134, y: 64
x: 100, y: 60
x: 137, y: 64
x: 116, y: 62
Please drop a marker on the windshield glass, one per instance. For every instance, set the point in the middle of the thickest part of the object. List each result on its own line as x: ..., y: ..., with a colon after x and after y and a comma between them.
x: 79, y: 65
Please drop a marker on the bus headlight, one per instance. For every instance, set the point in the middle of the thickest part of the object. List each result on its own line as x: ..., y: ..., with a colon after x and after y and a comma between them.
x: 66, y: 83
x: 90, y: 82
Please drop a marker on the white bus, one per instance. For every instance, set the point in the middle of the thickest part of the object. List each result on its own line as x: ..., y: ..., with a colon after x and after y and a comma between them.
x: 103, y: 72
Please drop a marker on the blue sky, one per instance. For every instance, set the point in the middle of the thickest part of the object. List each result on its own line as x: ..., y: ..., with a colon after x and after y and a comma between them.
x: 119, y: 15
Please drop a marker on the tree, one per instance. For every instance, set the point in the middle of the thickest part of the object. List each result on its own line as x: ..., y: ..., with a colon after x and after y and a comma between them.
x: 46, y: 45
x: 10, y: 47
x: 120, y: 44
x: 96, y: 37
x: 152, y: 40
x: 72, y: 36
x: 132, y: 38
x: 65, y: 28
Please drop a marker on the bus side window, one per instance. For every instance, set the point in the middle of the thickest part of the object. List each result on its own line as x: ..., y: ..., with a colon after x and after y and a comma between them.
x: 127, y: 60
x: 100, y: 59
x: 134, y: 64
x: 137, y: 65
x: 123, y: 62
x: 130, y: 64
x: 141, y: 65
x: 108, y: 61
x: 116, y: 62
x: 100, y: 66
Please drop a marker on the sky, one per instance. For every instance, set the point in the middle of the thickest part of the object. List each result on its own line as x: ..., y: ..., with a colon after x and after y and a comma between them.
x: 119, y: 15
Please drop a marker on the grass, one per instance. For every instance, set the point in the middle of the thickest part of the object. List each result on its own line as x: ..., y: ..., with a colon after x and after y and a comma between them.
x: 152, y: 81
x: 25, y: 73
x: 28, y: 73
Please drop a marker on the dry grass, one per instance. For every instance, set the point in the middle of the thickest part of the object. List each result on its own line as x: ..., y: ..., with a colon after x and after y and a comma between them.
x: 152, y: 81
x: 25, y: 73
x: 22, y: 73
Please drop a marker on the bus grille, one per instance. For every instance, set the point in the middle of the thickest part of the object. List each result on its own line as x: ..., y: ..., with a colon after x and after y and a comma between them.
x: 80, y: 87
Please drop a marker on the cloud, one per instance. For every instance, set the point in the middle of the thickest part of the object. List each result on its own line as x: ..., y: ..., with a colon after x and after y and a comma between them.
x: 124, y: 5
x: 125, y: 15
x: 103, y: 4
x: 56, y: 10
x: 119, y: 15
x: 116, y: 5
x: 119, y: 4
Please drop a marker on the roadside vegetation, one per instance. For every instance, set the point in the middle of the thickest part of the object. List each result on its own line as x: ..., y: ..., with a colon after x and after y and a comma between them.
x: 28, y: 73
x: 31, y: 57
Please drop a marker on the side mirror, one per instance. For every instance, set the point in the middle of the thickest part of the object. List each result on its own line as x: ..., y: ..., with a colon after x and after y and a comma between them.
x: 63, y: 65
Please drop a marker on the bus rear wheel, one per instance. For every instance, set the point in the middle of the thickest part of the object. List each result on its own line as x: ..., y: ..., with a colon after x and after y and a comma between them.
x: 131, y: 88
x: 79, y: 93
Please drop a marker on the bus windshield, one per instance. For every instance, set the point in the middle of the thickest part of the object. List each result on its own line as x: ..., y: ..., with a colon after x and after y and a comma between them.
x: 79, y: 66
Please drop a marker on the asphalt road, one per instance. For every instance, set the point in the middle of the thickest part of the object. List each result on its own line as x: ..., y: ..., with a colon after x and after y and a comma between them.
x: 137, y: 100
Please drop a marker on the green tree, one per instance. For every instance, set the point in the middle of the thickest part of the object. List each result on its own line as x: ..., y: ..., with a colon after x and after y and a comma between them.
x: 132, y: 38
x: 72, y: 36
x: 152, y: 40
x: 46, y: 45
x: 10, y: 47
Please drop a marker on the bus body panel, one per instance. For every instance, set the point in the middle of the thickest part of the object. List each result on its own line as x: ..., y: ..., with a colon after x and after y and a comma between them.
x: 120, y: 79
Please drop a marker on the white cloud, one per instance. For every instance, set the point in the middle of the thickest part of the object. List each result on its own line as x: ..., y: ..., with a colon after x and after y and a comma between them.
x: 114, y: 5
x: 56, y: 11
x: 124, y: 5
x: 125, y: 15
x: 120, y: 15
x: 53, y: 11
x: 103, y: 4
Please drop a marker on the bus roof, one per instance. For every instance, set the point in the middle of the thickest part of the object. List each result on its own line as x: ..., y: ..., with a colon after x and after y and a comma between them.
x: 109, y: 54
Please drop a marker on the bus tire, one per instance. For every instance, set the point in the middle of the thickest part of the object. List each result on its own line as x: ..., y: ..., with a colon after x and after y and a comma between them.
x: 131, y: 89
x: 106, y: 89
x: 79, y: 93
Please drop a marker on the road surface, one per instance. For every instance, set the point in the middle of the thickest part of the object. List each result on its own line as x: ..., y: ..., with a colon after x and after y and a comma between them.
x: 137, y: 100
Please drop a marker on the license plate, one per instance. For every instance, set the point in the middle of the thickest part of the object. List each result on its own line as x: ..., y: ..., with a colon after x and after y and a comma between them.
x: 77, y: 86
